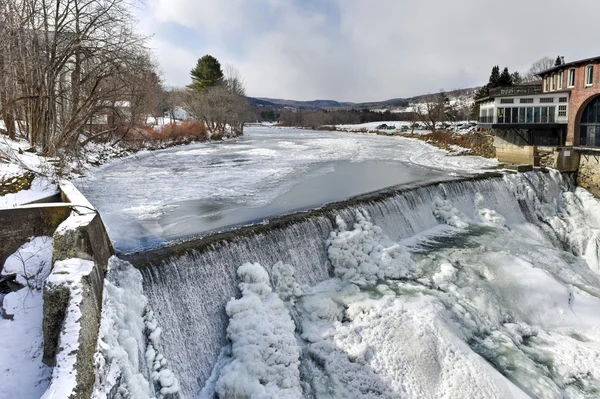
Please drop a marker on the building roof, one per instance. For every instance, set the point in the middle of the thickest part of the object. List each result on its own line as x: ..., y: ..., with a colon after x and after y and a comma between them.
x: 569, y: 64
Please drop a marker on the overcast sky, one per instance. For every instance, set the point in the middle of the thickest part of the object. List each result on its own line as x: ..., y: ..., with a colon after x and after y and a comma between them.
x: 365, y: 50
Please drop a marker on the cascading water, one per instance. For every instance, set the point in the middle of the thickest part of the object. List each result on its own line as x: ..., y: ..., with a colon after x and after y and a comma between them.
x: 461, y: 252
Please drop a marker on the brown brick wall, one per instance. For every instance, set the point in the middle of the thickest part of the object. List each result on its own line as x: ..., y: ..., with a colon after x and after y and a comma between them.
x: 580, y: 97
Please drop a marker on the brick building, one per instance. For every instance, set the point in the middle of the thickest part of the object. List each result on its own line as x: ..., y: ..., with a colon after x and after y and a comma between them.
x: 562, y: 110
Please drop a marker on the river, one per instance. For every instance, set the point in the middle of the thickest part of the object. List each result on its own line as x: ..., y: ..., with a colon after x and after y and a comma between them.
x: 155, y: 197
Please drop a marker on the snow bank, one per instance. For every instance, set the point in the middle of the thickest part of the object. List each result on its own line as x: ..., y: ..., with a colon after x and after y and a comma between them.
x: 364, y: 254
x: 31, y: 263
x: 22, y: 373
x: 40, y: 188
x: 264, y: 355
x: 129, y: 340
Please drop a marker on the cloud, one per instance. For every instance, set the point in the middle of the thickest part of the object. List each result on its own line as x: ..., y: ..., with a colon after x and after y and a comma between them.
x: 355, y: 50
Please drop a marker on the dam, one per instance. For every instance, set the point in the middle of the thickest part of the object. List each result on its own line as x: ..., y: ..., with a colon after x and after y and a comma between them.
x: 481, y: 285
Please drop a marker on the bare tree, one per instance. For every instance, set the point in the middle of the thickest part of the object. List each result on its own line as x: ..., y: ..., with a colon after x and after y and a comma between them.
x: 431, y: 110
x: 68, y: 61
x: 539, y: 66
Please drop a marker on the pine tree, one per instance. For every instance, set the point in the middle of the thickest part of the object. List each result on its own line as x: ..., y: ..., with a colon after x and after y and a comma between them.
x: 505, y: 78
x: 494, y: 77
x: 206, y: 74
x: 516, y: 78
x: 558, y: 61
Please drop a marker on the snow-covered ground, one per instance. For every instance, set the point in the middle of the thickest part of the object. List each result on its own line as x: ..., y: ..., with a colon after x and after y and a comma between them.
x: 140, y: 194
x: 14, y: 161
x: 22, y: 373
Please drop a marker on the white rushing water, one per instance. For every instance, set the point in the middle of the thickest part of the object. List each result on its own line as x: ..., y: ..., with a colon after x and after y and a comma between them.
x: 485, y: 288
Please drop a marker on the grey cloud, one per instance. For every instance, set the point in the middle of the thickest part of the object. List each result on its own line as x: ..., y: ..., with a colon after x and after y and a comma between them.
x: 379, y: 49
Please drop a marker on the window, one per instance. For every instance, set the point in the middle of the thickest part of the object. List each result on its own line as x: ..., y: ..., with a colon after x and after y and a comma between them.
x: 515, y: 115
x: 551, y: 114
x: 547, y: 84
x: 529, y: 114
x: 544, y: 114
x: 561, y: 77
x: 546, y: 100
x: 571, y: 82
x: 507, y: 101
x: 536, y: 115
x: 500, y: 115
x: 562, y: 110
x: 553, y: 82
x: 563, y: 100
x: 521, y: 115
x: 507, y: 114
x: 527, y: 101
x: 589, y: 75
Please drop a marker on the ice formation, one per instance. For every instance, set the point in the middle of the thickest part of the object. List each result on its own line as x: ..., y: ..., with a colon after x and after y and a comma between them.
x: 129, y: 351
x: 264, y: 355
x: 479, y: 289
x: 365, y: 254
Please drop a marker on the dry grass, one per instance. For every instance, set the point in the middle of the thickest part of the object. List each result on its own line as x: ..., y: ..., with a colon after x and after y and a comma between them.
x: 479, y: 144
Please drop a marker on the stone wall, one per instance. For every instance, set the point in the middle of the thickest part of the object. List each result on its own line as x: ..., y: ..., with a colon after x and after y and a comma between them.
x: 80, y: 252
x: 19, y: 224
x: 73, y: 291
x: 588, y: 176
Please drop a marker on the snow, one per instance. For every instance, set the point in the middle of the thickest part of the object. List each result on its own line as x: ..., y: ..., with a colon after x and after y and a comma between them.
x: 40, y: 188
x: 31, y: 263
x: 69, y: 273
x: 129, y: 351
x: 22, y: 373
x: 264, y: 356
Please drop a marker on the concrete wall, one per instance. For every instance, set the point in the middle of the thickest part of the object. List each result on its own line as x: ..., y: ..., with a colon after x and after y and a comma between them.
x: 79, y: 238
x: 19, y: 224
x: 511, y: 148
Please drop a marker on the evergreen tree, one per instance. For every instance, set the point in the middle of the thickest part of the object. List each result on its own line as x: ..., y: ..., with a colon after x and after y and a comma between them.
x: 206, y: 74
x: 558, y: 61
x: 494, y: 77
x: 505, y: 78
x: 516, y: 78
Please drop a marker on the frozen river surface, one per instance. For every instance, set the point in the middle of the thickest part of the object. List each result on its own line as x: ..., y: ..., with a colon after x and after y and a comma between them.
x: 154, y: 197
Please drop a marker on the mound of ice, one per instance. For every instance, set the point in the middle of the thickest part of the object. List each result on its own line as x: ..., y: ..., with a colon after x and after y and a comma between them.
x: 127, y: 332
x: 365, y: 254
x: 485, y: 215
x: 284, y: 282
x: 446, y: 213
x: 265, y: 359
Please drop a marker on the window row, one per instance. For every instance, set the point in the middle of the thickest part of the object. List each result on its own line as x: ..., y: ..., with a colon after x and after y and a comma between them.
x: 527, y: 115
x: 543, y: 100
x: 555, y: 81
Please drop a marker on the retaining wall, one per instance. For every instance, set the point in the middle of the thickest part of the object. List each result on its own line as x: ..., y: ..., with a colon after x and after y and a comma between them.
x: 73, y: 291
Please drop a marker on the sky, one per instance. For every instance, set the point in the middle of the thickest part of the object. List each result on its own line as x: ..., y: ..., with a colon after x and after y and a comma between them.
x: 364, y: 50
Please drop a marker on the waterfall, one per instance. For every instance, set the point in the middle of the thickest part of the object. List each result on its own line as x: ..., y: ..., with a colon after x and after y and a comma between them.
x: 188, y: 291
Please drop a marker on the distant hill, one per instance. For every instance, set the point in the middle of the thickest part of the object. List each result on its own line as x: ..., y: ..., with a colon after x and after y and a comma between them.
x: 394, y: 104
x: 325, y: 104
